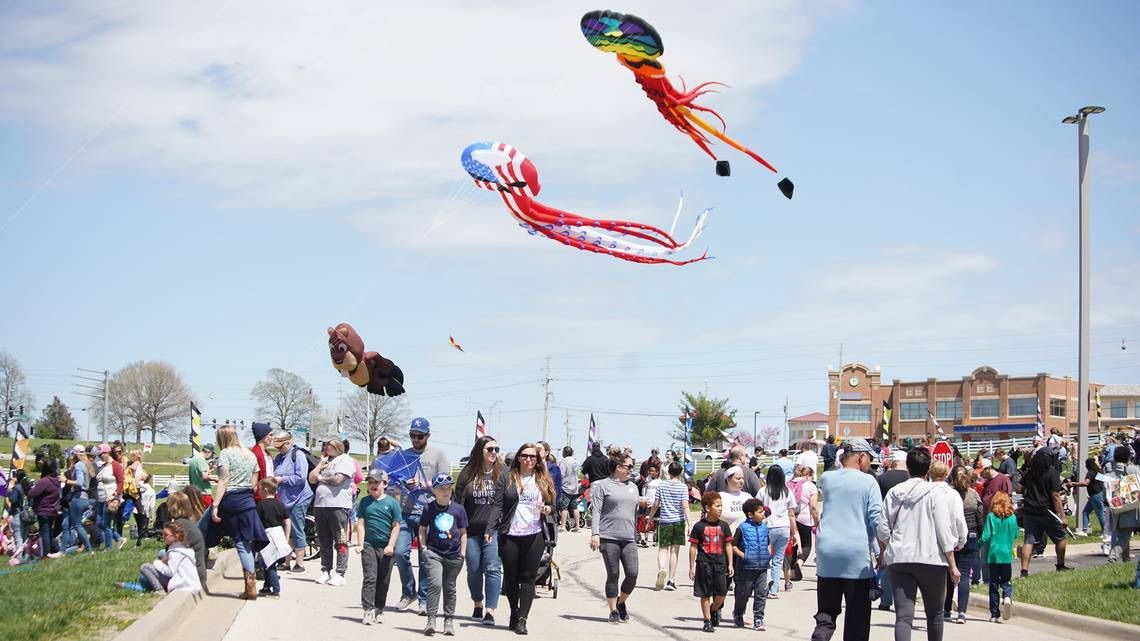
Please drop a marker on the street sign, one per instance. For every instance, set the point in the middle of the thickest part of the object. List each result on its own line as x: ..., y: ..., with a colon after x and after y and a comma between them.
x: 942, y: 452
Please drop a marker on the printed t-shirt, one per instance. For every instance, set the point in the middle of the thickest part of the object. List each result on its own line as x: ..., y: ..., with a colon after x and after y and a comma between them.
x: 443, y: 523
x: 710, y: 539
x: 528, y: 513
x: 732, y: 508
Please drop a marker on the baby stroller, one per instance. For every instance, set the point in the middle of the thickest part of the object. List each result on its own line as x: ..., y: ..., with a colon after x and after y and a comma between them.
x: 548, y: 573
x: 584, y: 504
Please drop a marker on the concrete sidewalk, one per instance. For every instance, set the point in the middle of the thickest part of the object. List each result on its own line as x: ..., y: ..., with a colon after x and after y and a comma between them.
x: 307, y: 610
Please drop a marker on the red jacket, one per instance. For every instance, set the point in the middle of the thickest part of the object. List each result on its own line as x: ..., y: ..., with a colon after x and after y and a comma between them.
x: 261, y: 455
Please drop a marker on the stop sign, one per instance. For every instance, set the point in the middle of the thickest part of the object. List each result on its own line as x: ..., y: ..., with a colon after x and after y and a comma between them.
x: 942, y: 452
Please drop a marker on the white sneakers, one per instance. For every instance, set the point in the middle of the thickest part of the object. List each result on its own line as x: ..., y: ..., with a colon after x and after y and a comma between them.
x: 369, y: 617
x: 323, y: 578
x: 330, y: 579
x: 1006, y: 608
x: 336, y: 580
x: 406, y: 602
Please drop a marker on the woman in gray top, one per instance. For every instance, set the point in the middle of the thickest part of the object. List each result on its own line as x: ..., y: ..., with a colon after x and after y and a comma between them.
x: 613, y: 507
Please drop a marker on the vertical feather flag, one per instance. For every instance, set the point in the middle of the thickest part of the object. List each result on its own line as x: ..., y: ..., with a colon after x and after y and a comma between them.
x: 195, y: 429
x: 1098, y: 411
x: 591, y: 435
x: 887, y: 411
x: 20, y: 447
x: 690, y: 463
x: 480, y: 425
x: 1040, y: 420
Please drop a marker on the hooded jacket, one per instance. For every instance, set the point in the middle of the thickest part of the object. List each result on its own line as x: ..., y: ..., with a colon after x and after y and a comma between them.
x: 183, y: 570
x: 951, y: 501
x: 919, y: 525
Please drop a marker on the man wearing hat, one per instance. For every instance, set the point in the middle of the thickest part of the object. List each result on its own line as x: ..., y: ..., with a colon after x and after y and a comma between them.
x: 432, y: 461
x: 291, y: 469
x: 849, y: 532
x: 261, y: 443
x: 200, y: 474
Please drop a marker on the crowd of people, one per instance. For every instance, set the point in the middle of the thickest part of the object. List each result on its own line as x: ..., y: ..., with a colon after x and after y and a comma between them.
x: 885, y: 524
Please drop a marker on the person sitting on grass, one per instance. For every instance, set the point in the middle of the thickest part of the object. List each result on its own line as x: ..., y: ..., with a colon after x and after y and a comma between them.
x: 999, y: 532
x: 710, y: 551
x: 174, y: 570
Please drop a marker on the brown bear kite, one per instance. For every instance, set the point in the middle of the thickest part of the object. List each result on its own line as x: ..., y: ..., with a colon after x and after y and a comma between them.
x: 365, y: 369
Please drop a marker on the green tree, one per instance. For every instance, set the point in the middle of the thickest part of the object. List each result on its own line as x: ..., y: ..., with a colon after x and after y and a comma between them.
x: 57, y: 422
x: 712, y: 419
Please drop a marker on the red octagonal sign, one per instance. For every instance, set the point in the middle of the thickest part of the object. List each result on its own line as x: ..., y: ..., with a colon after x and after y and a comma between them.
x: 942, y: 452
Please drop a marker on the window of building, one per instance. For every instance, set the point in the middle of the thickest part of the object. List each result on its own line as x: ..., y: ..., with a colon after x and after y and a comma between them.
x: 910, y: 391
x: 984, y: 408
x: 1023, y: 406
x: 948, y: 410
x: 1057, y: 407
x: 1118, y: 409
x: 981, y: 388
x: 1136, y: 410
x: 913, y: 411
x: 860, y: 412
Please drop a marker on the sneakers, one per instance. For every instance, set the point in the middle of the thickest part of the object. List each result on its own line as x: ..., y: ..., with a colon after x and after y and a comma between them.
x: 265, y: 591
x: 488, y: 619
x: 297, y: 568
x: 378, y: 616
x: 1038, y: 555
x: 405, y: 603
x: 336, y: 580
x: 787, y: 586
x: 660, y: 585
x: 369, y: 616
x: 448, y: 627
x: 615, y: 618
x: 1006, y: 608
x: 1082, y: 533
x: 520, y: 627
x: 323, y: 578
x: 670, y: 586
x: 422, y: 609
x: 478, y: 613
x: 715, y: 618
x: 1024, y: 573
x: 961, y: 620
x: 759, y: 626
x: 623, y: 614
x: 995, y: 620
x: 429, y: 630
x: 708, y: 626
x: 738, y: 620
x: 1063, y: 568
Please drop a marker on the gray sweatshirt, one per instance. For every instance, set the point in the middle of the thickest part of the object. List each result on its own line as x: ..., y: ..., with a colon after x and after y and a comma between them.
x: 613, y: 510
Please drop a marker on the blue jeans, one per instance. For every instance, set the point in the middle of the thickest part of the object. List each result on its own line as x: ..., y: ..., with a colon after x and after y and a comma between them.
x: 1000, y: 574
x: 297, y: 518
x: 75, y: 513
x: 106, y: 520
x: 48, y: 544
x: 245, y: 555
x: 484, y: 566
x: 778, y: 537
x: 404, y: 563
x: 888, y: 598
x: 1095, y: 502
x: 18, y: 533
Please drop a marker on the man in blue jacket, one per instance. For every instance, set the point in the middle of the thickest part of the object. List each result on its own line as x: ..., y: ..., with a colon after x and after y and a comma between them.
x: 291, y: 469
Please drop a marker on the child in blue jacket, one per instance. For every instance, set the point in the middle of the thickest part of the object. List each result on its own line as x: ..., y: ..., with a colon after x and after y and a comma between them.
x: 750, y: 545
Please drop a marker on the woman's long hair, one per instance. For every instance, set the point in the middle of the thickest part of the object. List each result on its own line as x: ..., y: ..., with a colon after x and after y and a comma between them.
x: 197, y: 505
x: 776, y: 488
x: 476, y: 465
x: 227, y: 437
x: 549, y: 453
x: 960, y: 478
x: 541, y: 474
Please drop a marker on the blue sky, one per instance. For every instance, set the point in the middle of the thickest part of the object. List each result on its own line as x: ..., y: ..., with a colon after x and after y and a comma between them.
x: 213, y: 186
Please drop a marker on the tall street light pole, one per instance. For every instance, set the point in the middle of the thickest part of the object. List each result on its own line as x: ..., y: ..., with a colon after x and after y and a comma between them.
x: 1081, y: 120
x: 754, y: 443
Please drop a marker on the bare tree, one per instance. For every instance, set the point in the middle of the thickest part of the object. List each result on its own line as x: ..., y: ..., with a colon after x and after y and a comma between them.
x: 149, y: 395
x: 285, y: 399
x: 13, y: 394
x: 371, y: 416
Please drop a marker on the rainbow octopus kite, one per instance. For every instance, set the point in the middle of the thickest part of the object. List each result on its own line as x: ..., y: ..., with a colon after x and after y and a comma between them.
x: 637, y: 46
x: 500, y: 167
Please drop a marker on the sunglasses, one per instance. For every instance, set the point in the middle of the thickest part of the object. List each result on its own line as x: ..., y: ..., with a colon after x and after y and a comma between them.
x: 417, y: 436
x: 491, y: 449
x: 527, y: 456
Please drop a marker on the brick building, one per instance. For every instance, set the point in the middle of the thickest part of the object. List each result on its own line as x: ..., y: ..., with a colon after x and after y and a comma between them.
x: 984, y: 405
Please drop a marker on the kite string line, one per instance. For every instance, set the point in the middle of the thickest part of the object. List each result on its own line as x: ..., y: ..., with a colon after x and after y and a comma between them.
x: 64, y: 166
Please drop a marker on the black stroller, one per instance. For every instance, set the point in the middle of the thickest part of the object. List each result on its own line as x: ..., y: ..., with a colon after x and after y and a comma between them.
x: 548, y: 573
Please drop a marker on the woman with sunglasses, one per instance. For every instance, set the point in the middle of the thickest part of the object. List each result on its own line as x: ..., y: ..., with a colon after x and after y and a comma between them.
x: 481, y: 495
x: 613, y: 507
x: 528, y: 497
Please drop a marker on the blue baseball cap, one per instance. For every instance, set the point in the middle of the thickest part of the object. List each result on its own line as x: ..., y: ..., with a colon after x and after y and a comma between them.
x: 420, y: 424
x: 443, y: 478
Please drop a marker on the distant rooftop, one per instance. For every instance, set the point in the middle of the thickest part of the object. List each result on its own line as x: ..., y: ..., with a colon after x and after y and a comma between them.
x: 814, y: 417
x: 1120, y: 390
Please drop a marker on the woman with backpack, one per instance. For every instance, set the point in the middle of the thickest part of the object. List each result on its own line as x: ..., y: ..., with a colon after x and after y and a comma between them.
x: 79, y: 474
x: 782, y: 503
x: 807, y: 512
x: 291, y: 469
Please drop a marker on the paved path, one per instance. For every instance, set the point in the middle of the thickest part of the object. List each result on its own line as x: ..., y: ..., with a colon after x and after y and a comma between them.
x: 310, y: 611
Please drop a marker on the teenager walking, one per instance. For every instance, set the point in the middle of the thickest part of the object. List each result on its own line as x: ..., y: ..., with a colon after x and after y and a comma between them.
x: 528, y: 497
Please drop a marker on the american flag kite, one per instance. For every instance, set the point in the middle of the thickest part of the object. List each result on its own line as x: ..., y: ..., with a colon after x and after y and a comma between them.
x: 480, y: 425
x: 454, y: 343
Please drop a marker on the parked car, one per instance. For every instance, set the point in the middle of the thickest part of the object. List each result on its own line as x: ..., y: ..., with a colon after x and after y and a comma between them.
x: 706, y: 454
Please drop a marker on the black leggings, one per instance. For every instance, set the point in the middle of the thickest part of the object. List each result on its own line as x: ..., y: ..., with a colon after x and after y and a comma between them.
x: 805, y: 540
x: 623, y: 553
x: 521, y: 556
x: 142, y: 523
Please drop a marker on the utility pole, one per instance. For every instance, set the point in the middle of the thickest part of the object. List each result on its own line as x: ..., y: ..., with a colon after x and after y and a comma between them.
x: 97, y: 392
x: 787, y: 435
x: 567, y: 424
x: 546, y: 399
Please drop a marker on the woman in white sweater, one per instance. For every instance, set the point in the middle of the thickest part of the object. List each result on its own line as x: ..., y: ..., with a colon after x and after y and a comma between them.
x: 920, y: 546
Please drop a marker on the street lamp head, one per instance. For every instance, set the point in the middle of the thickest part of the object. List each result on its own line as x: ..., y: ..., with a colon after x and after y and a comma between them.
x: 1090, y: 110
x: 1070, y: 120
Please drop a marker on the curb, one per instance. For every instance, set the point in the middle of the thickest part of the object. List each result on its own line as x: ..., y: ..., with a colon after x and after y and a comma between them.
x: 1064, y: 620
x: 175, y: 608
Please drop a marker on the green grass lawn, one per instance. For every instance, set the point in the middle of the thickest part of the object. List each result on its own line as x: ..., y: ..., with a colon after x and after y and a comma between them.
x: 74, y: 597
x: 1104, y: 592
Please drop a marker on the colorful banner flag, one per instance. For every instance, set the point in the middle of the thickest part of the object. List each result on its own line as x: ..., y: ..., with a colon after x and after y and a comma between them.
x: 591, y: 435
x: 20, y: 447
x: 195, y: 429
x: 1098, y: 411
x: 480, y: 425
x: 3, y: 483
x: 887, y: 410
x: 690, y: 463
x: 937, y: 427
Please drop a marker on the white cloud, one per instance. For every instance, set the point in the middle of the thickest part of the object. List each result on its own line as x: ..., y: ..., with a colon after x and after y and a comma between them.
x: 302, y: 105
x: 1115, y: 168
